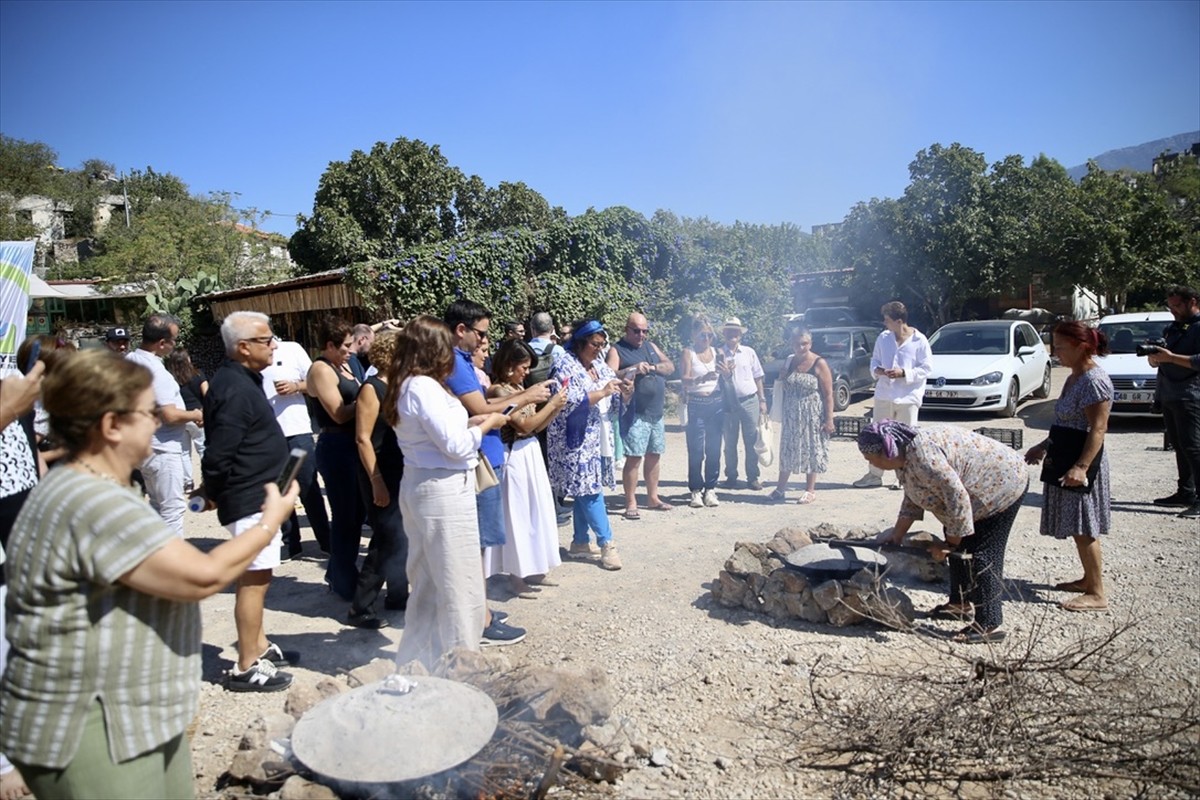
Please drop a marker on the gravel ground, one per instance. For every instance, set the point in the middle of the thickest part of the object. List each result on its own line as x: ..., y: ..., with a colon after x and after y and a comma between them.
x: 716, y: 687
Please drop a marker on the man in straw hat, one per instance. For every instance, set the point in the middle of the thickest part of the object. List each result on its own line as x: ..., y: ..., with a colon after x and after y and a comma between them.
x: 747, y: 401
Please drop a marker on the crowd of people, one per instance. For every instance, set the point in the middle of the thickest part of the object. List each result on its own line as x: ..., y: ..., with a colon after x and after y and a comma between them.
x: 462, y: 459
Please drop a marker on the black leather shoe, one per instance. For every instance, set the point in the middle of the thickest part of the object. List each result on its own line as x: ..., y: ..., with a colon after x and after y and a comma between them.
x: 1190, y: 513
x: 1177, y: 499
x: 367, y: 620
x: 399, y: 603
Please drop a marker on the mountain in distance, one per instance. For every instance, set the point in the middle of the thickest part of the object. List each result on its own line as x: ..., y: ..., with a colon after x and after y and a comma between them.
x: 1139, y: 157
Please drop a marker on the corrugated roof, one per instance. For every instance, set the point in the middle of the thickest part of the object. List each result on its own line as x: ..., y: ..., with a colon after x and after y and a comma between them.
x: 316, y: 279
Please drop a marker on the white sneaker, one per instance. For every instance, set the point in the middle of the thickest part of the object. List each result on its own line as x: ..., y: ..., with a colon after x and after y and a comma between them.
x: 696, y: 501
x: 710, y: 498
x: 868, y: 481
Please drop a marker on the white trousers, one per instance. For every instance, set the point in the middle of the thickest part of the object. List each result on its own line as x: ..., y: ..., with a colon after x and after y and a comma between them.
x: 163, y: 473
x: 447, y: 605
x: 901, y: 412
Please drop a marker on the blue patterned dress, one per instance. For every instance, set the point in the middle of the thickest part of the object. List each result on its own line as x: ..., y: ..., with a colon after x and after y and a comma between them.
x: 1066, y: 514
x: 579, y: 471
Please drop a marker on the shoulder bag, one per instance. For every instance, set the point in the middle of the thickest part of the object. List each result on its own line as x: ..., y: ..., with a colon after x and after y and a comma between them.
x: 485, y: 476
x: 1063, y: 450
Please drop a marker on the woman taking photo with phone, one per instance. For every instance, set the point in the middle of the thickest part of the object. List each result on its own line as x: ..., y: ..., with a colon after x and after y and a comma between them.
x: 104, y: 672
x: 437, y: 494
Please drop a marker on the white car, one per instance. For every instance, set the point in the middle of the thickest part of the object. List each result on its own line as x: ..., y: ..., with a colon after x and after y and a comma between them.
x: 986, y: 365
x: 1134, y: 380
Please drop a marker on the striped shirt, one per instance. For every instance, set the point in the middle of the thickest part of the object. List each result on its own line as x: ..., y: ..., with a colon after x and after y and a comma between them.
x: 78, y: 635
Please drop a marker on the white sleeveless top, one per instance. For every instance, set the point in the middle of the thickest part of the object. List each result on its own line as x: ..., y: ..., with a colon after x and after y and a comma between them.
x: 699, y: 370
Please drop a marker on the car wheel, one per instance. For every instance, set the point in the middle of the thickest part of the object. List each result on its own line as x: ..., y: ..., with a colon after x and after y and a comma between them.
x: 841, y: 394
x: 1043, y: 391
x: 1010, y: 410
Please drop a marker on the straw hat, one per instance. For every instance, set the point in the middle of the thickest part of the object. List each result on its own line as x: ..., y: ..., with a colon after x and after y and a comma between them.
x: 733, y: 322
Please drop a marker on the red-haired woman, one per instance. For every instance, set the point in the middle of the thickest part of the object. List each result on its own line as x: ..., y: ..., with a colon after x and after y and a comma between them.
x: 1076, y: 499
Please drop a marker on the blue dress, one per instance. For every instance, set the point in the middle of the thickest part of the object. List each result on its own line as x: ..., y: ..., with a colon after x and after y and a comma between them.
x: 1066, y: 514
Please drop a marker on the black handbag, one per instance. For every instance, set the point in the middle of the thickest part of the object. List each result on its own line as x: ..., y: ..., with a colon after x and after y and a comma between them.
x: 1063, y: 450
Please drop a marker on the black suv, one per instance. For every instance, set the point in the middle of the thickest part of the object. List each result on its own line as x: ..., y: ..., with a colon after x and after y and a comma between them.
x: 847, y: 350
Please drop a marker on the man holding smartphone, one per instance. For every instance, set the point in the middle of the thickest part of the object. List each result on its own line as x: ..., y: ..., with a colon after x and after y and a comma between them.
x: 246, y: 450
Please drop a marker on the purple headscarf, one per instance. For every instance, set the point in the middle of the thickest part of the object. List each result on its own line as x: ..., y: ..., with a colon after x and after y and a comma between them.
x: 886, y: 436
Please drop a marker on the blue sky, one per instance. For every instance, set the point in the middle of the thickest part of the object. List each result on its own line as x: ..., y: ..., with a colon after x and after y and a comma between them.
x: 761, y: 112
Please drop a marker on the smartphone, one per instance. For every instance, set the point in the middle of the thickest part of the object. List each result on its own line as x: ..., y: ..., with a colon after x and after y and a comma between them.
x: 508, y: 409
x: 35, y: 350
x: 291, y: 469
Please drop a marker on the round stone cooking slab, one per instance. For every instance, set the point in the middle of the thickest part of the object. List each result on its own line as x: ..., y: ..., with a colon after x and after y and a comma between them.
x: 381, y: 734
x: 836, y: 560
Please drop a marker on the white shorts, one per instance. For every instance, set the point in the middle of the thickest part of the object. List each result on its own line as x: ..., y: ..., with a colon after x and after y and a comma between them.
x: 269, y: 557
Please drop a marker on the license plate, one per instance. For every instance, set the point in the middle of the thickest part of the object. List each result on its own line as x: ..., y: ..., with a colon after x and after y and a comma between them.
x: 1134, y: 397
x: 940, y: 393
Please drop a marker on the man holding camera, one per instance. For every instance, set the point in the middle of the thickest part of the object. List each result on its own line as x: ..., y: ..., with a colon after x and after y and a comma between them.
x: 1179, y: 390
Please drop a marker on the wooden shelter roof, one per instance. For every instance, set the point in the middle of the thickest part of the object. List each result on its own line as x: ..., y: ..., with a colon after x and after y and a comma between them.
x: 322, y: 291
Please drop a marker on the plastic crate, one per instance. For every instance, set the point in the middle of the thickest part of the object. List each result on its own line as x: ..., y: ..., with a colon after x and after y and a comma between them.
x: 848, y: 426
x: 1013, y: 437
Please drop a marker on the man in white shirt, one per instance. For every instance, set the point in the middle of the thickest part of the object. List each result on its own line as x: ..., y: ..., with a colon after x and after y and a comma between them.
x: 284, y: 382
x: 163, y: 470
x: 739, y: 365
x: 900, y: 363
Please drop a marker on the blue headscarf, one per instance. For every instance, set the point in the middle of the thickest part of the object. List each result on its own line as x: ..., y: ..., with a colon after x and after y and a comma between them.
x: 583, y: 331
x: 886, y: 436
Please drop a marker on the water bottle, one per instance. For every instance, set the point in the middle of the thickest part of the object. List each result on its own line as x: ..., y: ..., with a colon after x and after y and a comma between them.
x: 197, y: 503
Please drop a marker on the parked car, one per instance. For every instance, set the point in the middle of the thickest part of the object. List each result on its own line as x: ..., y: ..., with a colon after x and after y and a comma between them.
x: 835, y: 317
x: 986, y: 365
x: 1134, y: 380
x: 847, y: 350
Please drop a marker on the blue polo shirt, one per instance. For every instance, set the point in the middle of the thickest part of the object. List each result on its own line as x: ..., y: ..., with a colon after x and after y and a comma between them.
x: 463, y: 381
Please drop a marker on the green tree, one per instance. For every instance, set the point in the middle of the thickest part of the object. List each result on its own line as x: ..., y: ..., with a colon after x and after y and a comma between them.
x: 26, y: 167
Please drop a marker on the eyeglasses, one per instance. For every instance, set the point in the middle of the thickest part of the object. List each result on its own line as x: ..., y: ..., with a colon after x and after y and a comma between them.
x: 155, y: 415
x: 597, y: 343
x: 477, y: 332
x: 261, y: 339
x: 642, y: 331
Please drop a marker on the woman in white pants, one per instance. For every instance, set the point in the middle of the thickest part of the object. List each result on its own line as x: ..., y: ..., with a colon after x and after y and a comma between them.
x: 437, y: 494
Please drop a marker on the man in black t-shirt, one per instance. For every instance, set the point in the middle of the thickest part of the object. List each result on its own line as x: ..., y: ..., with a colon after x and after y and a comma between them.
x: 634, y: 357
x: 1179, y: 391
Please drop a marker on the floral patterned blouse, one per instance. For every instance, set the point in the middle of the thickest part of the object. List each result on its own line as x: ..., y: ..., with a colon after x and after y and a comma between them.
x: 959, y: 477
x: 583, y: 470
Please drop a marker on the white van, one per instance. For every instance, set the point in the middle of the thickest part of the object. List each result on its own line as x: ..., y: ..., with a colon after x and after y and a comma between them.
x: 1134, y: 380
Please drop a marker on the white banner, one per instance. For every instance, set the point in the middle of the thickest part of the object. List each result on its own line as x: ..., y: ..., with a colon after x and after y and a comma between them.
x: 16, y: 264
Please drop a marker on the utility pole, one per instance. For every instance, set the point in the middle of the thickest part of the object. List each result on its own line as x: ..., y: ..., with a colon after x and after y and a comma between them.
x: 125, y: 193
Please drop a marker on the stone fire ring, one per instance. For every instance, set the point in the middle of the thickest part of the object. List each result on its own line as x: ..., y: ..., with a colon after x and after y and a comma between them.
x: 373, y: 735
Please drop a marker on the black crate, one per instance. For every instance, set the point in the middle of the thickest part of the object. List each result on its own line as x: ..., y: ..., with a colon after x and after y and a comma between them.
x: 1013, y: 437
x: 848, y: 426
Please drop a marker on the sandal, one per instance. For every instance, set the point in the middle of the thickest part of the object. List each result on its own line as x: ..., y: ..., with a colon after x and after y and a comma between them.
x: 973, y: 634
x: 662, y: 505
x: 1076, y: 586
x: 1083, y: 604
x: 951, y: 611
x: 806, y: 498
x: 631, y: 513
x: 777, y: 496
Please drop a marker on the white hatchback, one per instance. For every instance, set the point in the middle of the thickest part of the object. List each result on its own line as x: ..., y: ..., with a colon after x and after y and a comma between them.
x: 986, y: 365
x: 1134, y: 380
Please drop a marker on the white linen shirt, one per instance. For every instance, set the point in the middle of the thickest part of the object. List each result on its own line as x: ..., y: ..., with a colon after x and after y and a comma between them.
x: 432, y: 430
x: 914, y: 357
x: 167, y: 438
x: 290, y: 363
x: 747, y: 369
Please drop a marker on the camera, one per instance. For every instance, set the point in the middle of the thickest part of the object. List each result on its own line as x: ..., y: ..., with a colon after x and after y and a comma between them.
x: 1151, y: 346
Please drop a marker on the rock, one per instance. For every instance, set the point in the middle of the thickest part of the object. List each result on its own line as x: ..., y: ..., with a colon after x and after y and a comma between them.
x: 850, y: 611
x: 752, y: 599
x: 260, y: 731
x: 732, y: 590
x: 790, y: 580
x: 376, y: 670
x: 593, y: 763
x: 258, y: 767
x: 476, y: 667
x: 723, y: 763
x: 865, y: 579
x: 916, y: 566
x: 660, y: 757
x: 412, y: 669
x: 297, y: 788
x: 563, y: 701
x: 827, y: 595
x: 824, y: 531
x: 891, y: 607
x: 619, y: 733
x: 744, y: 561
x: 804, y: 607
x: 303, y: 695
x: 779, y: 546
x: 795, y: 537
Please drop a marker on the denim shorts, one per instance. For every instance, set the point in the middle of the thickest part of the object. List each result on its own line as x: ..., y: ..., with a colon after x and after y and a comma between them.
x: 645, y: 435
x: 489, y: 508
